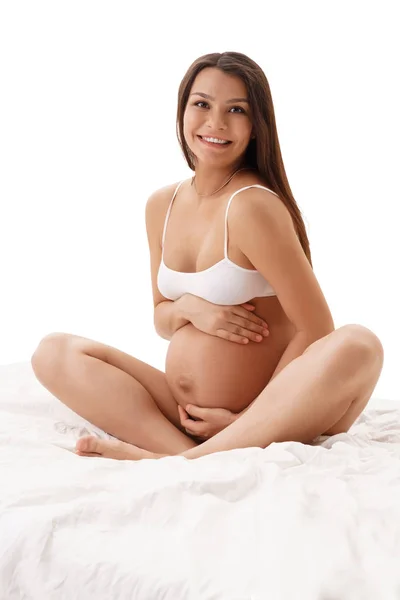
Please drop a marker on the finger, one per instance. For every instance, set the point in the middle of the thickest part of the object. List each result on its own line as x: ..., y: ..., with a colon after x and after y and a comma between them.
x: 196, y: 436
x: 195, y: 427
x: 186, y: 421
x: 197, y: 411
x: 182, y: 412
x: 248, y: 306
x: 247, y: 316
x: 256, y: 326
x: 231, y: 337
x: 199, y: 438
x: 184, y: 417
x: 252, y: 332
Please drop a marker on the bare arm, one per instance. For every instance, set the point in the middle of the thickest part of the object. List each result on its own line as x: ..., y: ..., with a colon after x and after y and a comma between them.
x: 169, y: 316
x: 299, y: 343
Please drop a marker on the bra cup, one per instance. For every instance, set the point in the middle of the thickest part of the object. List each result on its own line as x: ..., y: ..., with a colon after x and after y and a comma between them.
x: 222, y: 283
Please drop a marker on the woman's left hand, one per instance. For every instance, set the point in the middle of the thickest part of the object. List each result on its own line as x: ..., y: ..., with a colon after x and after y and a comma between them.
x: 212, y: 420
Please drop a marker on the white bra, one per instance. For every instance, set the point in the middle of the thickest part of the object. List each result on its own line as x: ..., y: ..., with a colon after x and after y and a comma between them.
x: 223, y: 283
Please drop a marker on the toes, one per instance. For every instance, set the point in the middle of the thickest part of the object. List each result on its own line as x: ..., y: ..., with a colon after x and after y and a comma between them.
x: 89, y: 445
x: 92, y: 455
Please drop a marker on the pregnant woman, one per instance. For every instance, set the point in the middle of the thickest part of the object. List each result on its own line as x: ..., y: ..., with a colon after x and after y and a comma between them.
x: 254, y: 356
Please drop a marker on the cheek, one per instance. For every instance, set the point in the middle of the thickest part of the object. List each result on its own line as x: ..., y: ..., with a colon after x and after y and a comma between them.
x: 245, y: 135
x: 245, y: 128
x: 191, y: 121
x: 186, y: 127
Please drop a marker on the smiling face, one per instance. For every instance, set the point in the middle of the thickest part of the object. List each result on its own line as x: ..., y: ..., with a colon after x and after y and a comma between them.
x: 217, y: 108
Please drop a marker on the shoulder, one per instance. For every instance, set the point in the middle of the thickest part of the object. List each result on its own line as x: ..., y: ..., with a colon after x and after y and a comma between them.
x: 160, y: 197
x: 264, y: 231
x: 258, y: 205
x: 157, y: 205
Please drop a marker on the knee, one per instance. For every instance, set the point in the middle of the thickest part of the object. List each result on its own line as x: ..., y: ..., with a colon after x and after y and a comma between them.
x: 48, y: 353
x: 360, y: 343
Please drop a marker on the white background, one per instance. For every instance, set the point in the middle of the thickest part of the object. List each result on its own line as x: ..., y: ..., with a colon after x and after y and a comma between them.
x: 88, y: 106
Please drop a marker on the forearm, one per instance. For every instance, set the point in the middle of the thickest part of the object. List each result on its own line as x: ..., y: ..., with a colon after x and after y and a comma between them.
x: 297, y: 345
x: 169, y: 316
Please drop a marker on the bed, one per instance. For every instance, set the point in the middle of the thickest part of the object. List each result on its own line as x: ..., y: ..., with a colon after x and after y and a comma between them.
x: 291, y: 521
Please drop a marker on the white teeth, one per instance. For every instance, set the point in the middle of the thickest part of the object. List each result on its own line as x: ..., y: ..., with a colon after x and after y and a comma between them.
x: 214, y: 140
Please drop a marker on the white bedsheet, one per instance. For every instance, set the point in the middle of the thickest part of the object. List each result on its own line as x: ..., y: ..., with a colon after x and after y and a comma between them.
x: 288, y: 522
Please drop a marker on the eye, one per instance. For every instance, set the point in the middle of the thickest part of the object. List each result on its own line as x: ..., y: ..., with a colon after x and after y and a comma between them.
x: 242, y: 111
x: 240, y: 108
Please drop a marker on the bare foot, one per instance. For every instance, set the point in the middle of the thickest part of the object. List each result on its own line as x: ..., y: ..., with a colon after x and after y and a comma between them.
x: 90, y: 445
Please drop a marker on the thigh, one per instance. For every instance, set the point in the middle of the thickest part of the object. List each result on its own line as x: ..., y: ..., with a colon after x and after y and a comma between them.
x: 153, y: 380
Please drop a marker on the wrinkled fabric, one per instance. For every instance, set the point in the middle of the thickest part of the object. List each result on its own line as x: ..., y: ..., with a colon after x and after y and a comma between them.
x: 299, y: 521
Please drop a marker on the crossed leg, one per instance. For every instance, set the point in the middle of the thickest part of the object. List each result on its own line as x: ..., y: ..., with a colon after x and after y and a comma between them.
x: 322, y: 391
x: 115, y: 391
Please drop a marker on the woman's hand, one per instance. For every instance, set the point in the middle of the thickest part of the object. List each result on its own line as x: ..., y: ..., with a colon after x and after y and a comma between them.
x: 211, y: 420
x: 235, y: 323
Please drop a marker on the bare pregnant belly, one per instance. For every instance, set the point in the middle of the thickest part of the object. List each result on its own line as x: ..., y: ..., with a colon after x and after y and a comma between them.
x: 212, y: 372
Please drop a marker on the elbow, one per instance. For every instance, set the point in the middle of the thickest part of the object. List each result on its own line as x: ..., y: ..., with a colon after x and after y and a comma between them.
x: 160, y: 332
x: 328, y: 327
x: 319, y: 328
x: 164, y: 336
x: 316, y: 334
x: 313, y: 333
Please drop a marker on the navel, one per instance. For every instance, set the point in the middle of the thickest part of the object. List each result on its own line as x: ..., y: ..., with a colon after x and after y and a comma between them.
x: 185, y: 382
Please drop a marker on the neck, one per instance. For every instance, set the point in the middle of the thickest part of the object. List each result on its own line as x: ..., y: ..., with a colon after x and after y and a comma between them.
x: 209, y: 178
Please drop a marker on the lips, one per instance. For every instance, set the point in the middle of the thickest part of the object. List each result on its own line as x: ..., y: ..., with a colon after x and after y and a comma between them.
x: 214, y: 143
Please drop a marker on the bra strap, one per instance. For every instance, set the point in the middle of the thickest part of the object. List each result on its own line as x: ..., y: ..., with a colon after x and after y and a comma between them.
x: 262, y: 187
x: 167, y: 216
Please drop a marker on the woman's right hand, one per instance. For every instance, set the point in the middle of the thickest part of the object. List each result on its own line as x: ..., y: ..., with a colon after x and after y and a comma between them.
x: 236, y: 323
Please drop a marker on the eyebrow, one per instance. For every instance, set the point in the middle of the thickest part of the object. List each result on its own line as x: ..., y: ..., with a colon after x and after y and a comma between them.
x: 227, y: 102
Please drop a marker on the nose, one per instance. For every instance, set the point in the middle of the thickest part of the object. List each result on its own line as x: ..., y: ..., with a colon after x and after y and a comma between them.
x: 215, y: 120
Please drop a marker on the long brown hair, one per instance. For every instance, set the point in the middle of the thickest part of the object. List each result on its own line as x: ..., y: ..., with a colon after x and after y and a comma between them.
x: 263, y: 153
